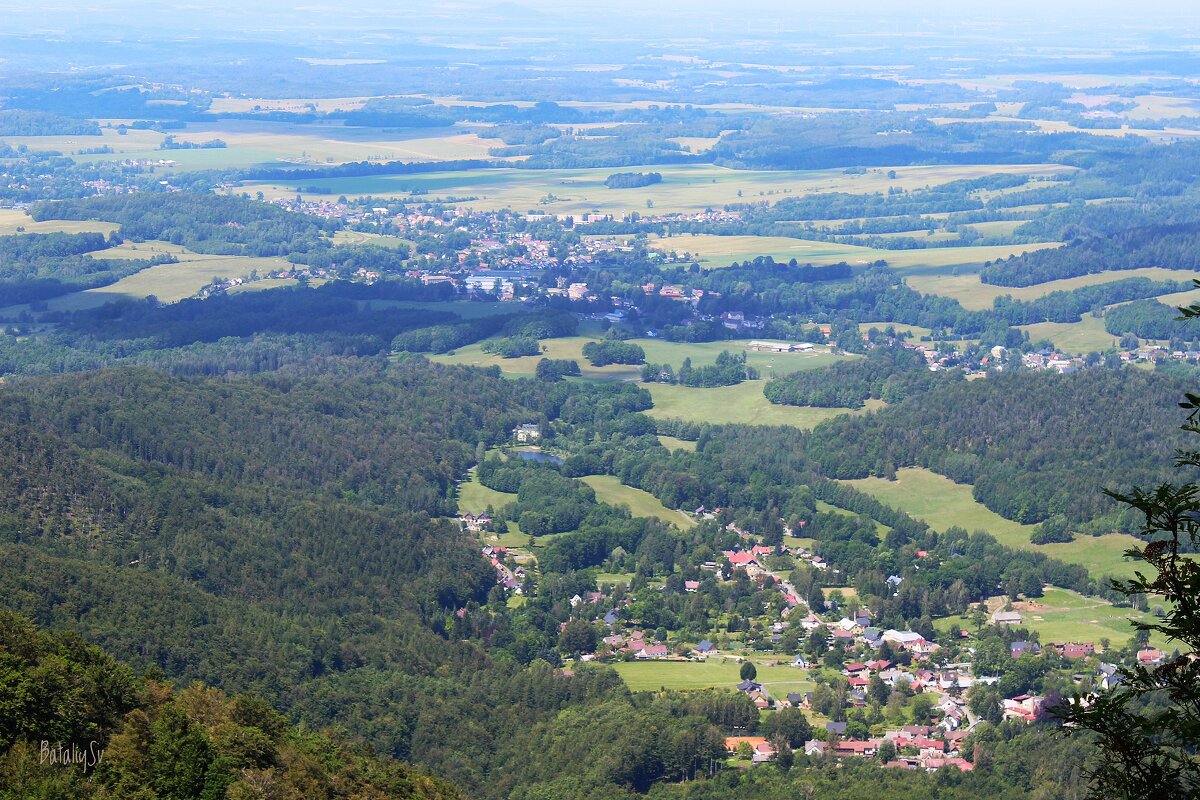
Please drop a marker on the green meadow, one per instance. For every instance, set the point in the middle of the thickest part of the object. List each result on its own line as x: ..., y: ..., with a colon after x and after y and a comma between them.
x: 609, y: 489
x: 743, y: 404
x: 943, y: 503
x: 263, y: 142
x: 916, y: 331
x: 474, y: 497
x: 975, y: 295
x: 671, y: 443
x: 720, y: 251
x: 1062, y: 615
x: 1086, y: 336
x: 15, y: 220
x: 648, y: 676
x: 657, y: 352
x: 685, y: 188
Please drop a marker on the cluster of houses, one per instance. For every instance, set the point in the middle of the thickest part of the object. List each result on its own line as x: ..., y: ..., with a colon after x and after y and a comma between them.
x: 914, y: 747
x: 510, y: 579
x: 1156, y: 353
x: 1054, y: 362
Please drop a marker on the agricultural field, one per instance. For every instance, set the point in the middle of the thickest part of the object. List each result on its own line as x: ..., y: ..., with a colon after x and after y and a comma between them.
x: 657, y: 352
x: 261, y: 142
x: 170, y: 283
x: 916, y: 331
x: 685, y: 188
x: 347, y: 236
x: 641, y: 504
x: 713, y: 251
x: 566, y: 347
x: 743, y: 404
x: 1181, y: 298
x: 975, y: 295
x: 263, y: 285
x: 15, y: 220
x: 943, y: 503
x: 1086, y: 336
x: 1062, y: 615
x: 647, y: 676
x: 474, y: 497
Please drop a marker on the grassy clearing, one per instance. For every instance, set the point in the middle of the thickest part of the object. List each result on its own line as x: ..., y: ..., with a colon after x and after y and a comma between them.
x: 147, y: 249
x: 474, y: 497
x: 525, y: 366
x: 264, y: 284
x: 685, y: 188
x: 1178, y: 299
x: 647, y: 676
x: 720, y: 251
x: 975, y: 295
x: 916, y: 331
x: 743, y: 404
x: 260, y: 142
x: 12, y: 219
x: 168, y: 282
x: 671, y: 443
x: 1062, y: 615
x: 613, y: 578
x: 657, y: 351
x: 830, y: 508
x: 362, y: 237
x: 942, y: 503
x: 641, y: 504
x: 1085, y: 336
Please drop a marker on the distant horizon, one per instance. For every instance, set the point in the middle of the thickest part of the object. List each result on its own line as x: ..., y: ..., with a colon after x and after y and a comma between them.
x: 224, y: 16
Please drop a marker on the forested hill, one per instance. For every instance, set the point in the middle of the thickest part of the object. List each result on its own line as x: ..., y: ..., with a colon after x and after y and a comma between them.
x: 1033, y: 444
x: 1169, y: 246
x: 141, y: 738
x: 192, y: 527
x: 396, y: 436
x: 224, y: 225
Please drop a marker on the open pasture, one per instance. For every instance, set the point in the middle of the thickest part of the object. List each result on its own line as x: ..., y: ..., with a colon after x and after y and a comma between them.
x: 657, y: 352
x: 260, y: 142
x: 610, y: 490
x: 720, y: 251
x: 1062, y: 615
x: 347, y: 236
x: 474, y: 497
x: 685, y: 188
x: 976, y: 295
x: 1086, y: 336
x: 648, y: 676
x: 943, y: 503
x: 916, y: 331
x: 168, y: 282
x: 743, y: 404
x: 14, y: 221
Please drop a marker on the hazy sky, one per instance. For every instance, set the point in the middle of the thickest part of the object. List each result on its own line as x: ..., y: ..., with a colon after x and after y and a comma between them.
x: 257, y: 12
x: 1074, y: 23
